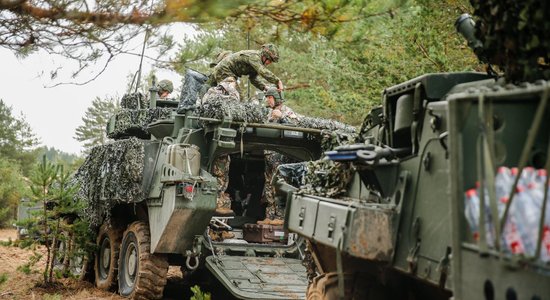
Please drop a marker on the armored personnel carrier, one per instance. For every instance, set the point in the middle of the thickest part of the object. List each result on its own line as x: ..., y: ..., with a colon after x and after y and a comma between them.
x: 151, y: 197
x: 424, y: 211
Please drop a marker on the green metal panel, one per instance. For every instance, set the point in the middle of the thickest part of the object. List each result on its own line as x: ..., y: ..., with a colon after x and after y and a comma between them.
x: 301, y: 215
x: 332, y: 221
x: 177, y: 220
x: 260, y: 277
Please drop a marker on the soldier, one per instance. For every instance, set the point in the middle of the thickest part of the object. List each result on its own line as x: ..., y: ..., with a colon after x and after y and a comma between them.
x: 227, y: 89
x: 164, y: 88
x: 279, y: 113
x: 249, y: 62
x: 220, y: 166
x: 219, y: 58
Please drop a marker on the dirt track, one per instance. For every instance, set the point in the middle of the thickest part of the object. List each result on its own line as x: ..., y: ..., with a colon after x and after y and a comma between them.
x: 15, y: 284
x: 18, y: 285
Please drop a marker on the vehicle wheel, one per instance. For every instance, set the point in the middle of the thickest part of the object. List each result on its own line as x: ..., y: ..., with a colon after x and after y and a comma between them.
x: 142, y: 275
x: 79, y: 266
x: 60, y: 258
x: 106, y: 258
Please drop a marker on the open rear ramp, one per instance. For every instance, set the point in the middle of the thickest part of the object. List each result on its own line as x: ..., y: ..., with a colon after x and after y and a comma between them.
x: 260, y: 277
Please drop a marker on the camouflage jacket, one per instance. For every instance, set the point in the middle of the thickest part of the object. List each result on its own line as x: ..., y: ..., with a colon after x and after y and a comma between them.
x: 246, y: 62
x: 223, y: 90
x: 287, y: 115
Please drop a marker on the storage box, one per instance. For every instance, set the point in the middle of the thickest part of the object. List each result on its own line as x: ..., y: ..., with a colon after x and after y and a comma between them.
x: 259, y: 233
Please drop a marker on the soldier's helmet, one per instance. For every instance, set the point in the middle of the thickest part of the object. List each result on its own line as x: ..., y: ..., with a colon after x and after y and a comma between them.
x: 270, y: 51
x: 165, y: 85
x: 276, y: 94
x: 219, y: 57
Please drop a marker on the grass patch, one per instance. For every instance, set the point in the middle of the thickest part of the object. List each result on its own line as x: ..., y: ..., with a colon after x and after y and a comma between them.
x: 7, y: 243
x: 198, y: 294
x: 3, y: 278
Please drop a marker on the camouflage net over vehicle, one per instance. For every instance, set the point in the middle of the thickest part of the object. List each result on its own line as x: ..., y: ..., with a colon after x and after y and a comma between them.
x: 515, y: 36
x: 111, y: 174
x: 134, y: 121
x: 333, y: 139
x: 131, y: 101
x: 222, y: 105
x: 320, y: 123
x: 327, y: 178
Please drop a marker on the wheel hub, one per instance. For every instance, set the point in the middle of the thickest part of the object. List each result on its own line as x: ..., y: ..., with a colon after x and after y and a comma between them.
x: 105, y: 258
x: 131, y: 263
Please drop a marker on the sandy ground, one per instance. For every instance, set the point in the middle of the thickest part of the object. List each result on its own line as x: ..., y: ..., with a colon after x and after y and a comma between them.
x: 8, y: 234
x: 15, y: 284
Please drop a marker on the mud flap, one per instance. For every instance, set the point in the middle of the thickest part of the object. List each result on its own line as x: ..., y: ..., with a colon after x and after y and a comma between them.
x: 260, y: 277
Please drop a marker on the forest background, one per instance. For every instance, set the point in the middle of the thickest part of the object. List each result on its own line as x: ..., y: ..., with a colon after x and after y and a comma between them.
x: 336, y: 58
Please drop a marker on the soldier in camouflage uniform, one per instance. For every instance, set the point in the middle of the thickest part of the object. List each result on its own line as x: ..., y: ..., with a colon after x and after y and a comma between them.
x: 220, y: 166
x: 227, y: 88
x: 219, y: 57
x: 249, y: 62
x: 164, y: 88
x: 279, y: 113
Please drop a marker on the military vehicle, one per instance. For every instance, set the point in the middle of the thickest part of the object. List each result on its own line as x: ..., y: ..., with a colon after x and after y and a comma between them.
x: 151, y: 197
x: 399, y: 229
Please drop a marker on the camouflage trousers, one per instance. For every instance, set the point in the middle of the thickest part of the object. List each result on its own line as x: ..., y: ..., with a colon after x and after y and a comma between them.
x: 220, y: 170
x: 272, y: 161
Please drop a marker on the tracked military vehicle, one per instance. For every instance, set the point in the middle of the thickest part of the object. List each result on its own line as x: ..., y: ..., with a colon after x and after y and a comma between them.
x: 151, y: 197
x: 417, y: 218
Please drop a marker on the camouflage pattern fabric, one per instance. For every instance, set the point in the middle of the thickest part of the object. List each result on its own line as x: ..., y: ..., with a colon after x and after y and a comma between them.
x: 218, y: 106
x: 135, y: 121
x: 134, y: 101
x: 287, y: 115
x: 327, y: 178
x: 246, y: 62
x: 320, y: 123
x: 227, y: 89
x: 333, y: 139
x: 272, y: 161
x: 515, y: 37
x: 111, y: 174
x: 220, y: 170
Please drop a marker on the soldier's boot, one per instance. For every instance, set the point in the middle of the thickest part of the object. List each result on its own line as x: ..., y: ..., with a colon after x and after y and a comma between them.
x: 277, y: 222
x: 265, y: 221
x: 268, y: 221
x: 227, y: 235
x: 223, y: 205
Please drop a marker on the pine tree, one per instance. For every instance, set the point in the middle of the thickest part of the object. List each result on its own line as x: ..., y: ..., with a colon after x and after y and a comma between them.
x: 16, y: 138
x: 92, y: 132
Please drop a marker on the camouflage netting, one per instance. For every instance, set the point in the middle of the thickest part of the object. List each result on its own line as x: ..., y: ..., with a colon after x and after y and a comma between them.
x: 111, y: 174
x: 333, y: 139
x: 327, y: 178
x: 134, y: 121
x: 319, y: 123
x: 131, y: 101
x: 222, y: 105
x: 194, y: 85
x: 515, y: 36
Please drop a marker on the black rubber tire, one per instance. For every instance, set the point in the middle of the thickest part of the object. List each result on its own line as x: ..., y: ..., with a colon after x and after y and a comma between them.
x: 106, y: 257
x: 142, y: 275
x: 60, y: 260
